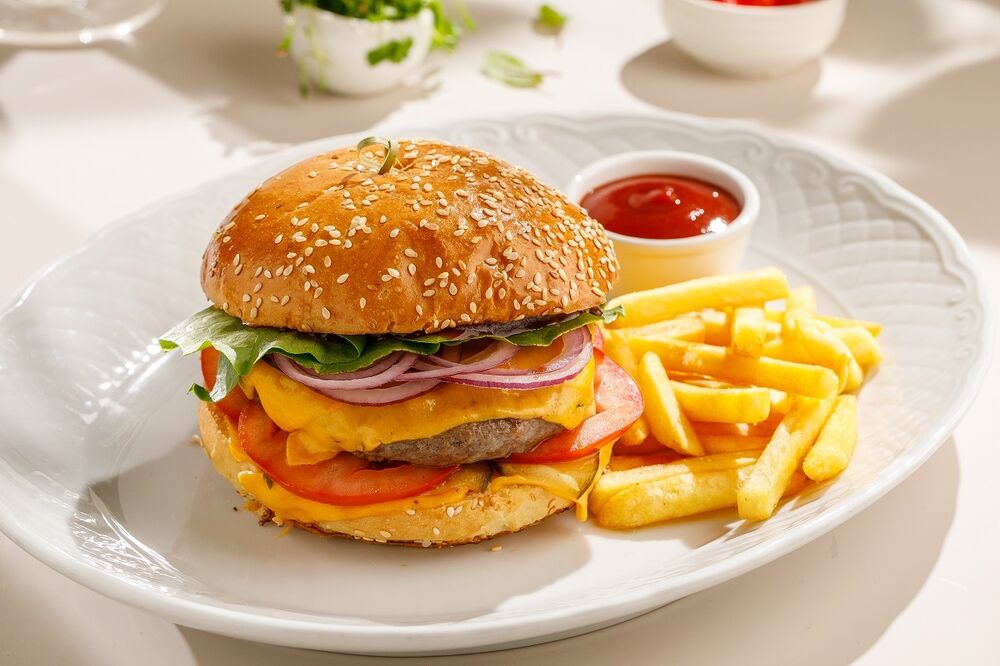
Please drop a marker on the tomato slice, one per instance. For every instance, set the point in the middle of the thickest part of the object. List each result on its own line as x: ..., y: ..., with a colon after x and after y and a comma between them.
x: 342, y: 480
x: 619, y: 405
x: 233, y: 403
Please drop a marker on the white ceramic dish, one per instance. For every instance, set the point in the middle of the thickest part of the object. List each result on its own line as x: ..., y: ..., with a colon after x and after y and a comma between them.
x: 753, y: 42
x: 334, y: 49
x: 652, y: 262
x: 100, y: 481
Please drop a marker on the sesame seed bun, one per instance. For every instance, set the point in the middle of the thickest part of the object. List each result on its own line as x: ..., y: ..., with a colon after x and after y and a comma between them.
x: 450, y: 236
x: 480, y: 515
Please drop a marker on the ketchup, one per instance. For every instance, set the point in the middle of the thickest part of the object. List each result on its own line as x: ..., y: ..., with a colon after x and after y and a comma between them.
x: 661, y: 206
x: 762, y: 3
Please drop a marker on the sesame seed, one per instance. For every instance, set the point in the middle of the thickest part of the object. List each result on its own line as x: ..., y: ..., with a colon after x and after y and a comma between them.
x: 452, y: 289
x: 386, y: 278
x: 439, y: 263
x: 450, y: 511
x: 343, y: 278
x: 428, y: 293
x: 411, y: 269
x: 362, y: 302
x: 435, y: 530
x: 246, y: 298
x: 277, y: 239
x: 239, y: 269
x: 236, y: 259
x: 393, y: 272
x: 386, y: 534
x: 326, y: 313
x: 411, y: 512
x: 253, y: 312
x: 257, y: 287
x: 473, y: 307
x: 420, y: 310
x: 393, y: 233
x: 285, y: 299
x: 410, y: 253
x: 260, y: 217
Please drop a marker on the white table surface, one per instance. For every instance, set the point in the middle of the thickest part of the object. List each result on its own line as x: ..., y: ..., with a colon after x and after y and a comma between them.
x: 911, y: 88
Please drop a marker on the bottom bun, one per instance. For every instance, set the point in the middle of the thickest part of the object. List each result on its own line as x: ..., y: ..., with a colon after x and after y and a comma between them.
x: 480, y: 515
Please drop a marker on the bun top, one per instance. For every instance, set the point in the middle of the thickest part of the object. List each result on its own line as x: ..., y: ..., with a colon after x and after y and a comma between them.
x: 450, y: 236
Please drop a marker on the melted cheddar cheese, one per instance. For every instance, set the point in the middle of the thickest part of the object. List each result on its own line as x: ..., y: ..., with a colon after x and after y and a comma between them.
x: 320, y: 427
x: 289, y: 506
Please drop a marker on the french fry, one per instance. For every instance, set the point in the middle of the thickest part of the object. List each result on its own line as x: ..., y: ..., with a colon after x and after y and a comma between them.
x: 676, y: 496
x: 616, y: 346
x: 749, y: 332
x: 704, y: 428
x: 620, y: 463
x: 688, y: 327
x: 612, y: 482
x: 733, y: 443
x: 759, y: 493
x: 671, y: 497
x: 835, y: 444
x: 718, y: 328
x: 725, y: 405
x: 801, y: 301
x: 862, y: 343
x: 824, y: 348
x: 840, y: 322
x: 781, y: 401
x: 809, y: 380
x: 666, y: 420
x: 751, y: 288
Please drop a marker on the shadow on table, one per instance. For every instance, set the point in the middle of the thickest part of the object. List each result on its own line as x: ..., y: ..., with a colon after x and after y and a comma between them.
x: 938, y: 129
x: 826, y: 603
x: 249, y: 89
x: 665, y: 77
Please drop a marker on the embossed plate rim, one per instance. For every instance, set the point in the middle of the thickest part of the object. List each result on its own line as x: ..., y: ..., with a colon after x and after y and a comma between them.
x: 313, y: 631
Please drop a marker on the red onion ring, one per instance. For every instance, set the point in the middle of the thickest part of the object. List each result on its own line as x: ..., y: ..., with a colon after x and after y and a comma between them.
x: 578, y: 348
x: 499, y: 352
x: 382, y: 395
x: 324, y: 383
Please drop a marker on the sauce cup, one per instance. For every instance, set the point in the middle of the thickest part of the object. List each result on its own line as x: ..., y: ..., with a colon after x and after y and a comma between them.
x: 650, y: 262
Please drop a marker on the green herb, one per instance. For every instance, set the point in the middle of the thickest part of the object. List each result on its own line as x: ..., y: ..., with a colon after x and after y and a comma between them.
x: 445, y: 36
x: 393, y: 51
x: 383, y: 165
x: 510, y: 70
x: 240, y: 346
x: 549, y: 21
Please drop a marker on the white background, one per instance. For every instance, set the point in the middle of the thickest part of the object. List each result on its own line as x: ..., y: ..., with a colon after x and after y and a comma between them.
x: 911, y: 88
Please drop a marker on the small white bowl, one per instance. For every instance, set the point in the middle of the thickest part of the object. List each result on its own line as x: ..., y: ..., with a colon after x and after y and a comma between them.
x: 651, y: 262
x: 753, y: 42
x: 334, y: 49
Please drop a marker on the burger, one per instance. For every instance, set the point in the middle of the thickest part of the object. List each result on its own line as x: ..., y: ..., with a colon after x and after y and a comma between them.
x: 403, y: 346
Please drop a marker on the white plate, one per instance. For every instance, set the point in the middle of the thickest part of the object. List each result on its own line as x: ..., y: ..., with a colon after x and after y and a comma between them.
x: 101, y: 483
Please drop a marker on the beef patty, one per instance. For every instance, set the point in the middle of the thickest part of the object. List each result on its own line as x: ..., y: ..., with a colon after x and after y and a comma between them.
x: 469, y: 443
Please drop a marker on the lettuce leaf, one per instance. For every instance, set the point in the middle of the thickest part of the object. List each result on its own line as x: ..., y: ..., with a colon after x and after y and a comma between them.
x: 240, y: 346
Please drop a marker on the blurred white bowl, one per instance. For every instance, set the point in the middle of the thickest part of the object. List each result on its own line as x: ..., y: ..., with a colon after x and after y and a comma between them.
x: 750, y: 41
x: 333, y: 49
x: 652, y: 262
